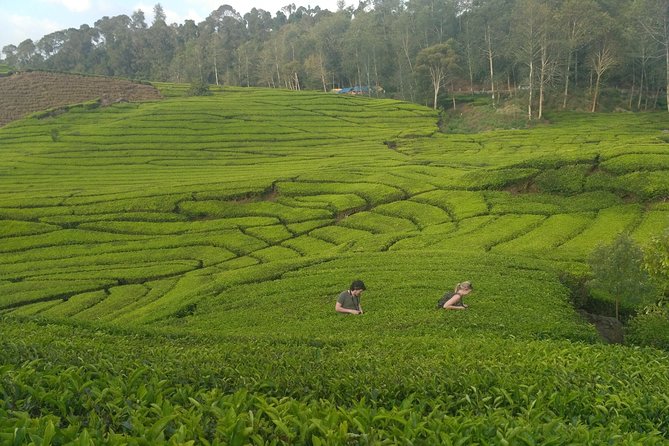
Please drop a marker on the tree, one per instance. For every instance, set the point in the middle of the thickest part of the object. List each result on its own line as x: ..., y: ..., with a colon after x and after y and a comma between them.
x: 328, y: 40
x: 603, y: 51
x: 26, y: 53
x: 138, y: 20
x: 50, y: 44
x: 516, y: 42
x: 258, y: 24
x: 116, y: 43
x: 158, y: 15
x: 655, y: 22
x: 439, y: 62
x: 643, y: 51
x: 77, y: 52
x: 10, y: 54
x: 532, y: 40
x: 224, y: 32
x: 619, y: 273
x: 576, y: 19
x: 548, y: 54
x: 489, y: 23
x: 436, y: 20
x: 651, y: 326
x: 602, y: 59
x: 657, y: 259
x: 368, y: 49
x: 159, y: 46
x: 188, y: 64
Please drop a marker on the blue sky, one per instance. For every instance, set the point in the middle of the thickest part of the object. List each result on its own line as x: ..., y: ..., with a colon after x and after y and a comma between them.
x: 32, y: 19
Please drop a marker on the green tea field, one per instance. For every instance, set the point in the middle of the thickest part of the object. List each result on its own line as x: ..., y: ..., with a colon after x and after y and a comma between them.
x: 169, y: 270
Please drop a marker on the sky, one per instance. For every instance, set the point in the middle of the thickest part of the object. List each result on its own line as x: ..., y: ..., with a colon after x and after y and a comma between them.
x: 32, y: 19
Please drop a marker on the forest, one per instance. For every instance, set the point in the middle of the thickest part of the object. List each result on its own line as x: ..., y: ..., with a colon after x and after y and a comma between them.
x: 548, y: 53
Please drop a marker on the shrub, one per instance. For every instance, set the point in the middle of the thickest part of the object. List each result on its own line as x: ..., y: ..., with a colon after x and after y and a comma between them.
x: 619, y: 273
x: 199, y: 89
x: 650, y: 329
x: 565, y: 180
x: 657, y: 259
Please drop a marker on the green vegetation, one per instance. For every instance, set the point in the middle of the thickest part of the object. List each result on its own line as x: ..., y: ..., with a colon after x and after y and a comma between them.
x: 168, y: 273
x: 199, y: 89
x: 490, y: 60
x: 619, y: 274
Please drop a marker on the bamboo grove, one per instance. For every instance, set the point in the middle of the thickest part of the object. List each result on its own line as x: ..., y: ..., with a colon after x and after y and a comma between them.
x: 548, y: 53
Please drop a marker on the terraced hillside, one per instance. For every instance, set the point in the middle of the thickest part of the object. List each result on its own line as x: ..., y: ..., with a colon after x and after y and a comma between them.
x: 28, y: 92
x: 169, y: 271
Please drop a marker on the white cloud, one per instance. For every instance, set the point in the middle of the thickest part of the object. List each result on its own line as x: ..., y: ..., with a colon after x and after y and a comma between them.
x: 172, y: 16
x: 73, y: 5
x: 194, y: 16
x: 146, y: 8
x: 205, y: 5
x: 19, y: 28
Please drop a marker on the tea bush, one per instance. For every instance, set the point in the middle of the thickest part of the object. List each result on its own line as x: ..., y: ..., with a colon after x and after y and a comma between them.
x: 169, y: 270
x: 651, y: 329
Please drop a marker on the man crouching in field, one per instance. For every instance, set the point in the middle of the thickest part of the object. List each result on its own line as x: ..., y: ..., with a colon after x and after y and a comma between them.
x: 349, y: 301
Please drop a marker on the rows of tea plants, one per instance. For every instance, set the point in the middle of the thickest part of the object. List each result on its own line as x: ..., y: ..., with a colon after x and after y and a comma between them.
x: 64, y: 384
x: 206, y: 204
x: 168, y: 272
x: 223, y: 178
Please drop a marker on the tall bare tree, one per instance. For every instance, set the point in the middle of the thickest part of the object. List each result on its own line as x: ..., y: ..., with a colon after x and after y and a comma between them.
x: 575, y: 20
x: 603, y: 51
x: 548, y: 52
x: 655, y: 21
x: 488, y: 24
x: 439, y: 61
x: 602, y: 59
x: 528, y: 19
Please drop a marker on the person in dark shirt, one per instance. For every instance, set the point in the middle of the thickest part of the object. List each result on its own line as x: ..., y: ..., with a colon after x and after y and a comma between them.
x: 349, y: 301
x: 453, y: 301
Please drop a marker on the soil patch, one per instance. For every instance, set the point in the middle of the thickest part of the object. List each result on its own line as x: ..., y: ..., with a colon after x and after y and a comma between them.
x: 24, y: 93
x: 609, y: 328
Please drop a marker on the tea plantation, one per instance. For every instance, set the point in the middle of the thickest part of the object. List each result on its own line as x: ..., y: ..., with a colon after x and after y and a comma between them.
x: 169, y: 270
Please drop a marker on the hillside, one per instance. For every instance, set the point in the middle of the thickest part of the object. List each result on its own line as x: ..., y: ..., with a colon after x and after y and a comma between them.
x: 28, y: 92
x: 169, y: 269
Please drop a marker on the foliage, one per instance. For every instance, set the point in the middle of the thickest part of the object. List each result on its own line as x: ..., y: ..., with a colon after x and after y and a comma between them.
x: 106, y: 387
x: 657, y: 258
x: 650, y: 328
x: 5, y: 69
x: 199, y: 89
x: 566, y: 179
x: 475, y: 117
x: 529, y: 52
x: 168, y: 273
x: 619, y: 273
x: 439, y: 62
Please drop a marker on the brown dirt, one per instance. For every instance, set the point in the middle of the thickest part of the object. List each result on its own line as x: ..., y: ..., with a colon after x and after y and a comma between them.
x: 609, y: 328
x: 27, y: 92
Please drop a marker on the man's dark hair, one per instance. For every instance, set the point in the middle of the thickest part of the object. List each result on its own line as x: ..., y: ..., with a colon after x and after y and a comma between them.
x: 358, y: 285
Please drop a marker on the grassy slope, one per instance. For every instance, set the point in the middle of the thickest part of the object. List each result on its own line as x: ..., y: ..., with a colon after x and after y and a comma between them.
x: 229, y: 223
